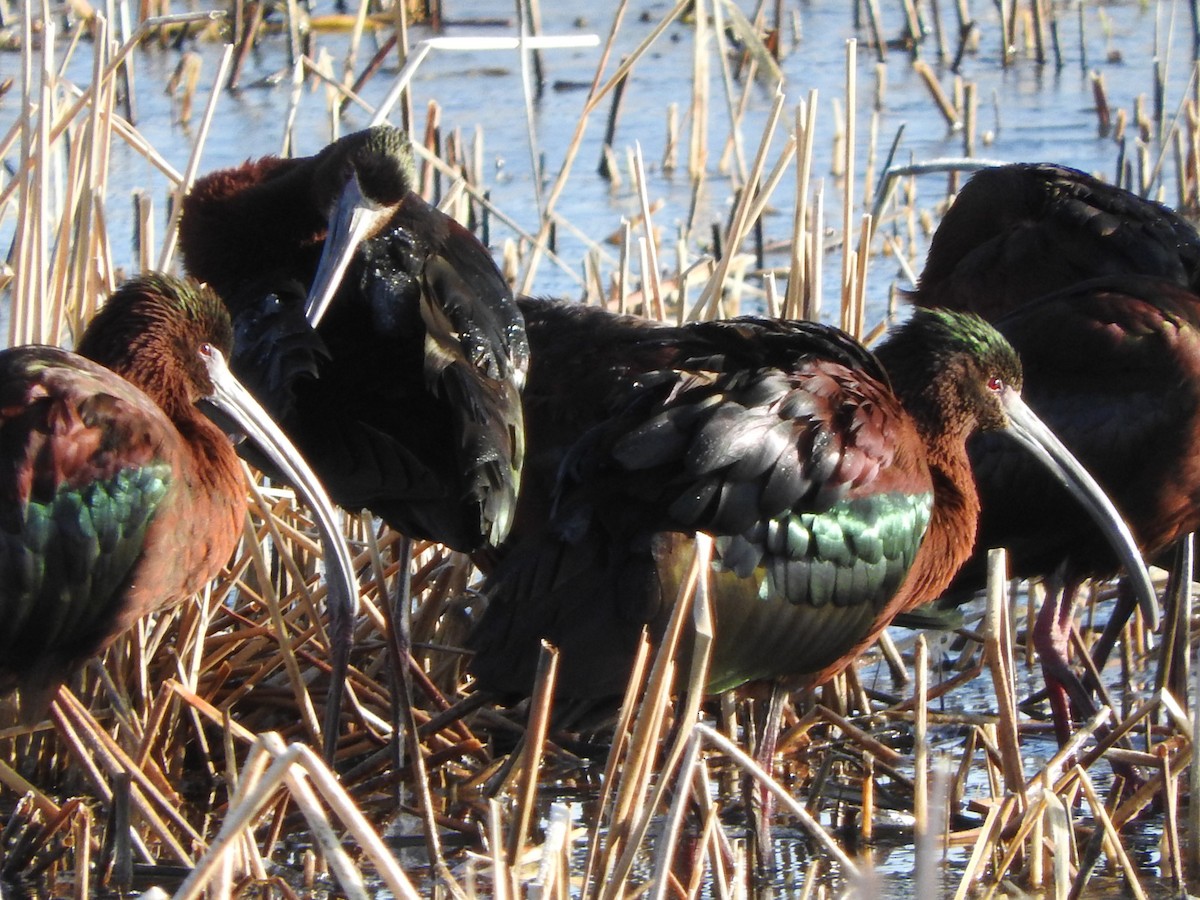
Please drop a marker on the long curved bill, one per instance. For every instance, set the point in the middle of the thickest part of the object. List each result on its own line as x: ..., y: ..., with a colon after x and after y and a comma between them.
x: 354, y: 218
x: 1033, y: 434
x: 235, y: 401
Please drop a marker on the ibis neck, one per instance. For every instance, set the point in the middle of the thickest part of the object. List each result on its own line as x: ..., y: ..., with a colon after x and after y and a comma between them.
x: 952, y: 528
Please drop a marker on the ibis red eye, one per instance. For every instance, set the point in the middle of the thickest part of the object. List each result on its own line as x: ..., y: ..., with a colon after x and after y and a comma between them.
x: 206, y: 350
x: 995, y: 383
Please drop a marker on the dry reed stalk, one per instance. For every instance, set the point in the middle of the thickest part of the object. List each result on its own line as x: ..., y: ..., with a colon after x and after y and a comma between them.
x: 29, y: 268
x: 1059, y: 818
x: 804, y: 133
x: 949, y: 112
x: 877, y: 40
x: 271, y: 764
x: 665, y: 851
x: 998, y: 654
x: 921, y: 737
x: 811, y: 825
x: 670, y: 158
x: 867, y: 817
x: 1030, y: 828
x: 480, y: 196
x: 628, y: 823
x: 766, y: 187
x: 287, y: 143
x: 1171, y: 820
x: 595, y: 95
x: 1114, y: 838
x: 1193, y: 762
x: 189, y: 173
x: 554, y: 872
x: 623, y: 268
x: 699, y: 602
x: 616, y: 753
x: 356, y: 34
x: 735, y: 109
x: 994, y: 824
x: 77, y: 298
x: 100, y: 751
x: 308, y: 714
x: 847, y: 167
x: 650, y: 269
x: 707, y: 303
x: 320, y: 70
x: 816, y: 253
x: 18, y: 130
x: 771, y: 299
x: 19, y: 785
x: 698, y: 143
x: 531, y: 756
x: 1057, y: 769
x: 871, y: 745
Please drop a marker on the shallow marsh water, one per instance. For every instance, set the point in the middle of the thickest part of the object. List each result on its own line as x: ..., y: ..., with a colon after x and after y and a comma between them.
x: 1027, y: 112
x: 1031, y: 112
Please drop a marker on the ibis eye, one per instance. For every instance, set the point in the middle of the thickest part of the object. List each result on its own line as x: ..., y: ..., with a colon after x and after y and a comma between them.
x: 995, y: 383
x: 206, y: 350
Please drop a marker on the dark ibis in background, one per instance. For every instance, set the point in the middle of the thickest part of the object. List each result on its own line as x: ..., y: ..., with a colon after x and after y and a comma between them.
x: 1025, y: 230
x: 835, y: 482
x: 1112, y: 365
x: 120, y: 498
x: 414, y: 411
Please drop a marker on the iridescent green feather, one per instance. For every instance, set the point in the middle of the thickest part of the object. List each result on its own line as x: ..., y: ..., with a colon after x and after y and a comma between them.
x: 818, y: 558
x: 62, y: 573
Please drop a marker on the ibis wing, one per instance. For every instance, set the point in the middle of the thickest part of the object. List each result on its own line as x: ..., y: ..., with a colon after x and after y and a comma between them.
x: 796, y: 474
x: 469, y: 363
x: 86, y: 468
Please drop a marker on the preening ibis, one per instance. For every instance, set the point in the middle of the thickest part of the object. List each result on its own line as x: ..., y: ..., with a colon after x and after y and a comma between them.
x: 1111, y: 360
x: 415, y: 409
x: 835, y: 482
x: 120, y: 498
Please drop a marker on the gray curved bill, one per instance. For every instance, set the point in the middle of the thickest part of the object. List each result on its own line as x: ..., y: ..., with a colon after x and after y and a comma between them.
x: 354, y: 218
x: 1033, y: 434
x: 342, y: 602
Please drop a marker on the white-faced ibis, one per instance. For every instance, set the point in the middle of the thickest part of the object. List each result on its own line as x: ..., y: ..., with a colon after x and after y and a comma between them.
x: 120, y: 498
x: 1112, y: 362
x: 835, y: 481
x: 415, y: 411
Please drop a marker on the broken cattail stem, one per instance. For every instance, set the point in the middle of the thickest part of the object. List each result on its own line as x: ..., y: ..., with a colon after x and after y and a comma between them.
x: 949, y: 113
x: 1103, y: 114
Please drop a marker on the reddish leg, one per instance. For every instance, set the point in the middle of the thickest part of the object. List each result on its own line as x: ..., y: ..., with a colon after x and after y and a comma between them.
x: 1052, y: 638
